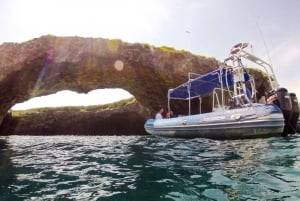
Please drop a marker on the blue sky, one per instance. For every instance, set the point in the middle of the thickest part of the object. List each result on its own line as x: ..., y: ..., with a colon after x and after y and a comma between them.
x: 205, y: 27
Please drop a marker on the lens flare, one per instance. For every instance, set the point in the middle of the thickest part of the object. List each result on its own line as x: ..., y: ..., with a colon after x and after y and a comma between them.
x: 119, y: 65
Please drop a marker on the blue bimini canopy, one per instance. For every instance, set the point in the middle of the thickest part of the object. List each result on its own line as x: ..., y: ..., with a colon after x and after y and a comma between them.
x: 202, y: 85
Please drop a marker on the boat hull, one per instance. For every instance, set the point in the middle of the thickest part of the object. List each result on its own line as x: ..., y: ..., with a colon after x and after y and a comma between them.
x: 252, y: 122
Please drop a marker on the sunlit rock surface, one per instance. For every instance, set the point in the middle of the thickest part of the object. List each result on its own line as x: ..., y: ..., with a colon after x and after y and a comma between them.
x: 49, y: 64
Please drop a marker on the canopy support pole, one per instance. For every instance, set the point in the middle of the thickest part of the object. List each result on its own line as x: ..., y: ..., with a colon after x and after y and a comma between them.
x: 169, y: 108
x: 200, y: 103
x: 189, y: 92
x: 222, y: 91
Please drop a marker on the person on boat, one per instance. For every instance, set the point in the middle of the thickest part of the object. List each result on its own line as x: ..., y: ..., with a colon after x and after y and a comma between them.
x: 170, y: 114
x: 159, y: 114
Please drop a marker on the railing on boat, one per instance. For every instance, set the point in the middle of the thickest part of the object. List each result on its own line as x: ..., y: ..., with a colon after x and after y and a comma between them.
x: 237, y: 87
x: 238, y: 51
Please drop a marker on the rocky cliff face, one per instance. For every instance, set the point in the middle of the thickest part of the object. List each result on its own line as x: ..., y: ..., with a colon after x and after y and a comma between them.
x: 49, y: 64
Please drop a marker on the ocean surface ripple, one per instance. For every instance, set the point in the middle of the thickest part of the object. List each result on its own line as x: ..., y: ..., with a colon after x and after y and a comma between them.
x: 129, y: 168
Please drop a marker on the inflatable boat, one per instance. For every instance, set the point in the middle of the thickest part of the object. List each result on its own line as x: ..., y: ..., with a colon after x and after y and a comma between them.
x: 236, y: 113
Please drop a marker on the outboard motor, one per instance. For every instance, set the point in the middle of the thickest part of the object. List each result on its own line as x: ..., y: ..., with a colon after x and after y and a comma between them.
x: 295, y: 114
x: 282, y: 99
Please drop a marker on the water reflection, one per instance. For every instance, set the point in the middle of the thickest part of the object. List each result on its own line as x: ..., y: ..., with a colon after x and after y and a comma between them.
x: 7, y: 175
x: 149, y: 168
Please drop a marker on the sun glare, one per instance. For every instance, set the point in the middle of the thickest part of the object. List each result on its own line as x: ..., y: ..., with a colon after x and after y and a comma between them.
x: 70, y: 98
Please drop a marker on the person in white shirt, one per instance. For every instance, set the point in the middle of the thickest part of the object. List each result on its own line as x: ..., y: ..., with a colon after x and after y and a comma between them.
x: 159, y: 113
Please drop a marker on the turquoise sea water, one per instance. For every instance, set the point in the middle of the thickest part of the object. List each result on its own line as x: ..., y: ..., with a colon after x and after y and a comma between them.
x: 113, y: 168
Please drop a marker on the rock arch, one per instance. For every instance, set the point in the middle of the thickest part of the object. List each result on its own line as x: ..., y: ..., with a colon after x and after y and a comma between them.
x: 49, y: 64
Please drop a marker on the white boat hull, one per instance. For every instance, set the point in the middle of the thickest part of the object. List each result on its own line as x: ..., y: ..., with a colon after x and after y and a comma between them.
x: 251, y: 122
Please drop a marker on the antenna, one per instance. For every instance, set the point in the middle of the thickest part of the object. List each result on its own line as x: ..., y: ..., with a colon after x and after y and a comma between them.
x: 264, y: 41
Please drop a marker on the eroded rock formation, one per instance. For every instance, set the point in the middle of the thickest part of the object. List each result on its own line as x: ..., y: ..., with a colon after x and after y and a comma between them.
x: 49, y: 64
